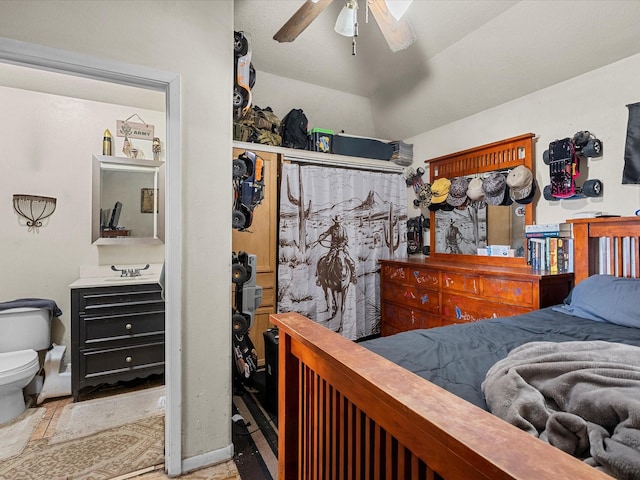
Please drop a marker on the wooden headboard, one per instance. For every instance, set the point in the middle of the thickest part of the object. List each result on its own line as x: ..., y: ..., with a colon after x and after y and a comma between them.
x: 606, y: 245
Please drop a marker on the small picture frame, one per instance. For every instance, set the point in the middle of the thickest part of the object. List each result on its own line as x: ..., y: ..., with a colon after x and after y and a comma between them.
x: 146, y: 200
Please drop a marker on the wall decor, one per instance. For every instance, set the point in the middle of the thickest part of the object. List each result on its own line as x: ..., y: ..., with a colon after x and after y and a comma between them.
x: 146, y: 200
x: 34, y: 209
x: 125, y: 128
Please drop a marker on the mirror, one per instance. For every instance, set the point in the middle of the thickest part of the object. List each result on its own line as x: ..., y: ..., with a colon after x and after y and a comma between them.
x: 126, y: 206
x: 465, y: 231
x: 458, y: 233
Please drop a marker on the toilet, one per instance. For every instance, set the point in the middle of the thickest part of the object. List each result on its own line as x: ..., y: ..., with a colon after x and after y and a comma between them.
x: 23, y: 332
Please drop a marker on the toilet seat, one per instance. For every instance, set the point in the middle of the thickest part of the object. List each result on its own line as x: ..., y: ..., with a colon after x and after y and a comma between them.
x: 16, y: 365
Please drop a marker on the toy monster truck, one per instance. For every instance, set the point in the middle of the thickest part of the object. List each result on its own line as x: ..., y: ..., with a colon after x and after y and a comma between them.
x: 564, y: 158
x: 248, y: 188
x: 245, y: 74
x: 421, y: 189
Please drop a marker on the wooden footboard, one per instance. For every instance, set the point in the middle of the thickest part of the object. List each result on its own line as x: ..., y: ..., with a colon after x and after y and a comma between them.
x: 347, y: 413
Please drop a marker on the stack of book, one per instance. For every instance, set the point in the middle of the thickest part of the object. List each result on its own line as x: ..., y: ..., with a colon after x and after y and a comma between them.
x: 550, y: 247
x: 402, y: 153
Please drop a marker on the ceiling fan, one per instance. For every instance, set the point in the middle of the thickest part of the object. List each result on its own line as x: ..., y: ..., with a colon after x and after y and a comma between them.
x: 387, y: 13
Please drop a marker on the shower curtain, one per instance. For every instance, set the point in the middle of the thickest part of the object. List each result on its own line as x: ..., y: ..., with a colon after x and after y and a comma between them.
x: 335, y: 224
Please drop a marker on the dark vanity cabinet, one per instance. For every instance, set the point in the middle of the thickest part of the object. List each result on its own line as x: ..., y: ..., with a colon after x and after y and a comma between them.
x: 117, y: 333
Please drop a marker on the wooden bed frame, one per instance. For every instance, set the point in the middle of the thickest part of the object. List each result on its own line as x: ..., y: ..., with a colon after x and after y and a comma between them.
x: 346, y: 413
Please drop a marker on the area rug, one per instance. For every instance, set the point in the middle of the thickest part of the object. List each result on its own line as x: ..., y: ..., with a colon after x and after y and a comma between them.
x: 15, y: 435
x: 89, y: 417
x: 101, y: 456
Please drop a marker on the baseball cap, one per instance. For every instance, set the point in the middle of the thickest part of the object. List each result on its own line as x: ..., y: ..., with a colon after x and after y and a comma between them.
x: 440, y: 190
x: 529, y: 198
x: 520, y: 181
x: 458, y: 191
x: 494, y: 186
x: 474, y: 190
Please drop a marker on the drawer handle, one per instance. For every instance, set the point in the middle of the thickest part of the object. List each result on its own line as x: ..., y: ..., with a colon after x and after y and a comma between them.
x: 128, y: 326
x: 128, y: 359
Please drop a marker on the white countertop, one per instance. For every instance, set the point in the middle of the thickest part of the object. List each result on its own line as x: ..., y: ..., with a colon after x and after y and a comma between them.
x: 103, y: 276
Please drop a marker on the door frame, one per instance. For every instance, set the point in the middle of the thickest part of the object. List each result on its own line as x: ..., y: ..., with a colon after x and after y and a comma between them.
x: 72, y: 63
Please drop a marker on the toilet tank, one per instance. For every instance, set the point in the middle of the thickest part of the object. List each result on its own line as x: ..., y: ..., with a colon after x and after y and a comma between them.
x: 24, y: 329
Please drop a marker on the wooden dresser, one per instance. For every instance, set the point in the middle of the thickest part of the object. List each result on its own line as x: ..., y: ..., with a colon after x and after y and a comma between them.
x: 426, y: 293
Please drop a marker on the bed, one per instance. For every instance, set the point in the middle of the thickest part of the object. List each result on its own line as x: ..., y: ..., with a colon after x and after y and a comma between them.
x: 346, y: 411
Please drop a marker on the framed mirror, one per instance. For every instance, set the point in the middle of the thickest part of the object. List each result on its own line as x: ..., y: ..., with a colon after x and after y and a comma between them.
x: 127, y: 206
x: 464, y: 233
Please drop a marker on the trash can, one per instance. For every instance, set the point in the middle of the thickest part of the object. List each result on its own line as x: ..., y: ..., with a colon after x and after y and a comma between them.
x: 271, y: 367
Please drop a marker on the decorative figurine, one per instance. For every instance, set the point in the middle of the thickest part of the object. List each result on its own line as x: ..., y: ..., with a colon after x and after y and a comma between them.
x: 126, y: 147
x: 134, y: 153
x: 156, y: 148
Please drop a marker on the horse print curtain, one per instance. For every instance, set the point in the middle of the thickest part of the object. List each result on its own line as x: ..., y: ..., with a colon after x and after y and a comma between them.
x: 335, y: 224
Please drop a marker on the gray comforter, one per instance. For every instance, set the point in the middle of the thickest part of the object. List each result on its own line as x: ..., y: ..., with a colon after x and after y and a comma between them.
x: 582, y: 397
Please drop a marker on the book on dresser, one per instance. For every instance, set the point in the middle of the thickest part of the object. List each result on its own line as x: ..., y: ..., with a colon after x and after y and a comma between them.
x: 550, y: 254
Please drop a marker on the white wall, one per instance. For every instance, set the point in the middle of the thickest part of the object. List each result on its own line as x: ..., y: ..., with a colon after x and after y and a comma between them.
x: 595, y: 101
x: 48, y: 142
x: 324, y: 108
x: 195, y: 40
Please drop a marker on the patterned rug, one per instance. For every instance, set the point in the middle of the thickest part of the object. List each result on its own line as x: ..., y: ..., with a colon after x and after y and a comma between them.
x: 15, y: 435
x: 92, y: 416
x: 101, y: 456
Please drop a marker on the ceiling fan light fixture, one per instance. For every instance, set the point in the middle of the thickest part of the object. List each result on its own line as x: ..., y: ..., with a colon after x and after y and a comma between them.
x: 346, y: 22
x: 398, y: 8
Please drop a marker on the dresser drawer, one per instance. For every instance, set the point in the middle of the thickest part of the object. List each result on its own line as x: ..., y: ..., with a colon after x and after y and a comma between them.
x: 423, y: 277
x: 122, y: 360
x: 461, y: 309
x: 393, y: 273
x: 469, y: 284
x: 121, y: 327
x: 509, y: 291
x: 119, y: 299
x: 399, y: 319
x: 413, y: 297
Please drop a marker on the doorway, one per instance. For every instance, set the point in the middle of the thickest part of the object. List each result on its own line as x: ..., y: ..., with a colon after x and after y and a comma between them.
x: 69, y: 63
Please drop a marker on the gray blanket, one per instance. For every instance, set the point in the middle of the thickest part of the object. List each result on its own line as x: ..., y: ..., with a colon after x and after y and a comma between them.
x: 582, y: 397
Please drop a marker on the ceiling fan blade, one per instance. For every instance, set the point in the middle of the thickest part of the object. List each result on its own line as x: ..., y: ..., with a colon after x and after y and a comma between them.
x: 300, y: 20
x: 398, y: 33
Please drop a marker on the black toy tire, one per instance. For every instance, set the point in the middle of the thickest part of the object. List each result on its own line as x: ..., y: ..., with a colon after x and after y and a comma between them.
x: 240, y: 97
x: 546, y: 158
x: 239, y: 273
x: 239, y: 324
x: 420, y: 171
x: 409, y: 182
x: 240, y: 44
x: 546, y: 193
x: 239, y: 168
x: 238, y: 220
x: 593, y: 148
x: 592, y: 188
x: 416, y: 203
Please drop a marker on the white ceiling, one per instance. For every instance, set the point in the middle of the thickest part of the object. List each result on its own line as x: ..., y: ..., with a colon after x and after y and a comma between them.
x: 470, y: 55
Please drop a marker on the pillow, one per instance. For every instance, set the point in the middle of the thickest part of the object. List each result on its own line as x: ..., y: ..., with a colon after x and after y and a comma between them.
x: 605, y: 298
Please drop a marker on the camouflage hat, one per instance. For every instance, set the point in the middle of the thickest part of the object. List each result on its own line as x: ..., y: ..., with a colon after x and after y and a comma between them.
x: 494, y: 186
x: 458, y: 191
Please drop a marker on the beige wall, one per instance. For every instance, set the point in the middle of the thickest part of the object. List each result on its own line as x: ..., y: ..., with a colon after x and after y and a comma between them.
x: 324, y: 108
x: 595, y: 101
x: 194, y: 40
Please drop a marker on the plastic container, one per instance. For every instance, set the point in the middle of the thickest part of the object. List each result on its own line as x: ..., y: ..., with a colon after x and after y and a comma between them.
x: 320, y: 140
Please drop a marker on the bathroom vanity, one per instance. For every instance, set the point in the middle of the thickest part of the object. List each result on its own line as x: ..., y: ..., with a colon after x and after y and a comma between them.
x: 117, y: 330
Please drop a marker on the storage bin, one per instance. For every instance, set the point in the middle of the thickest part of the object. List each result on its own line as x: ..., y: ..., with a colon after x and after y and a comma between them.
x: 320, y: 140
x: 361, y: 147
